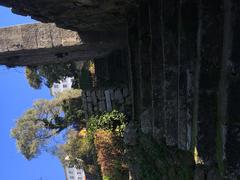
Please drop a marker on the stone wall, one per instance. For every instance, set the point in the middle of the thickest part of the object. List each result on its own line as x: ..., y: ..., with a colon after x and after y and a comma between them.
x: 97, y: 101
x: 184, y: 64
x: 112, y: 70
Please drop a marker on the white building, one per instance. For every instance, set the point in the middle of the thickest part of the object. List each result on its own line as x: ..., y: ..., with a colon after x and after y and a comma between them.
x: 60, y: 87
x: 74, y: 173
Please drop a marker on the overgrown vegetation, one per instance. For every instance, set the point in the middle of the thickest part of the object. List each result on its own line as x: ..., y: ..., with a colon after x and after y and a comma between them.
x: 106, y: 131
x: 113, y: 121
x: 110, y: 155
x: 162, y: 162
x: 100, y: 145
x: 87, y: 77
x: 78, y: 151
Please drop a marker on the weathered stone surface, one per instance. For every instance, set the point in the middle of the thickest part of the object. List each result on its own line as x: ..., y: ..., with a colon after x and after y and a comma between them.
x: 112, y: 94
x: 100, y: 22
x: 146, y: 122
x: 94, y: 98
x: 39, y: 43
x: 118, y: 96
x: 100, y: 95
x: 199, y: 174
x: 102, y: 106
x: 108, y: 100
x: 80, y: 15
x: 213, y: 174
x: 130, y: 134
x: 97, y: 101
x: 125, y: 92
x: 89, y: 99
x: 232, y: 148
x: 89, y: 108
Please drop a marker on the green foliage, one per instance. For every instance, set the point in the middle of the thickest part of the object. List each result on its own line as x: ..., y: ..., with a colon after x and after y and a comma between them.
x: 49, y: 74
x: 78, y: 151
x: 33, y: 77
x: 30, y: 134
x: 106, y: 131
x: 41, y: 122
x: 114, y: 121
x: 76, y: 148
x: 106, y: 178
x: 86, y: 78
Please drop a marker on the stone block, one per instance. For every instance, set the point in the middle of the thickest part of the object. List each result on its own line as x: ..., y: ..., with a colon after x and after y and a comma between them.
x: 83, y: 94
x: 128, y: 100
x: 146, y: 121
x: 43, y: 36
x: 118, y: 96
x: 89, y: 99
x: 88, y: 93
x: 84, y: 104
x: 89, y: 108
x: 102, y: 106
x: 94, y: 98
x: 11, y: 39
x: 95, y: 109
x: 100, y: 95
x: 125, y: 92
x: 108, y: 100
x: 130, y: 135
x: 111, y: 94
x: 29, y: 36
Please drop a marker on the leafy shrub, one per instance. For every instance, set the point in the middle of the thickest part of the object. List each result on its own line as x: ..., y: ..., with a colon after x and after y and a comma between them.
x: 114, y: 121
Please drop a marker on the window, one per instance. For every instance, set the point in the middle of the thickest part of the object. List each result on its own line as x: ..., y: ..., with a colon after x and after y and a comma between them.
x: 64, y: 86
x: 55, y: 86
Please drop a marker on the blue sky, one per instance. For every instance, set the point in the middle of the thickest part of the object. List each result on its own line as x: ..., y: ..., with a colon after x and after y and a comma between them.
x: 16, y: 97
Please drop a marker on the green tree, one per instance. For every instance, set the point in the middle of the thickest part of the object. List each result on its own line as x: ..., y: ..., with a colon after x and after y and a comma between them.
x: 49, y: 74
x: 43, y: 121
x: 33, y: 77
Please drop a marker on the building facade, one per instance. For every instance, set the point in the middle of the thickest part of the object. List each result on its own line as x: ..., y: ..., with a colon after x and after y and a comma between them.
x: 64, y: 84
x: 72, y: 173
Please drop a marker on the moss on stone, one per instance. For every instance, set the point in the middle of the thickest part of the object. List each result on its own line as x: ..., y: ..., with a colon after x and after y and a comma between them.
x: 157, y: 161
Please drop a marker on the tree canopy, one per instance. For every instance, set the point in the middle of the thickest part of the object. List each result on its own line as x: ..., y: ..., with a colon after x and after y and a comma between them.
x: 49, y: 74
x: 44, y: 120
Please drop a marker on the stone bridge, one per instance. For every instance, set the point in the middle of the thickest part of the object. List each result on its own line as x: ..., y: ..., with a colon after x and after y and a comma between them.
x: 35, y: 44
